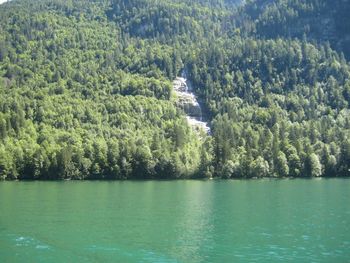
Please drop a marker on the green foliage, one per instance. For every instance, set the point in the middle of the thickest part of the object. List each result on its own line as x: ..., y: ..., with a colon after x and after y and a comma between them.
x: 81, y: 100
x: 85, y: 89
x: 320, y: 20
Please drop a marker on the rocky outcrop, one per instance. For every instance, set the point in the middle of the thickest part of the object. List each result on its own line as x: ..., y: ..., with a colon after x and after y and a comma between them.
x: 186, y: 100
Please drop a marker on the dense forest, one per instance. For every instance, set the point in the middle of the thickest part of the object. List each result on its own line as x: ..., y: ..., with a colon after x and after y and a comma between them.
x: 86, y: 88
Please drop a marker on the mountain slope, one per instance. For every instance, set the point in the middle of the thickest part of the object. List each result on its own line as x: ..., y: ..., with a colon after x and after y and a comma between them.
x: 86, y: 89
x: 323, y: 21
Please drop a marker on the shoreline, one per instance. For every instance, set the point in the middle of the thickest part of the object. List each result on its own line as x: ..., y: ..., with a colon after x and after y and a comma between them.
x: 172, y: 180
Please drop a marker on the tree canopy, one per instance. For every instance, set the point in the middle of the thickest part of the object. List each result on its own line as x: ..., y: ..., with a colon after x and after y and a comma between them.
x: 86, y: 88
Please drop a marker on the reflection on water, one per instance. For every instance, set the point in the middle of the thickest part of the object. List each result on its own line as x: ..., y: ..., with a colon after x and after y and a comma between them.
x: 175, y: 221
x: 194, y: 229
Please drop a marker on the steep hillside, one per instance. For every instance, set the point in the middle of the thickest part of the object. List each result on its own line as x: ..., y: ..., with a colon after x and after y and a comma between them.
x: 80, y: 100
x: 320, y: 20
x: 86, y: 89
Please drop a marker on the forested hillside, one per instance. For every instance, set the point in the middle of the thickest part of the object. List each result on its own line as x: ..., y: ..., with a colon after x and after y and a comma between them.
x: 315, y: 20
x: 86, y: 89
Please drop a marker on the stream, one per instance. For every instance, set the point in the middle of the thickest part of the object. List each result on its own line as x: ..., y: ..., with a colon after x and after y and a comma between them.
x: 187, y: 100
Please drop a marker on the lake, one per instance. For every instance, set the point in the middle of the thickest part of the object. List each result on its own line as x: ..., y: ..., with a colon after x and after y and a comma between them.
x: 176, y: 221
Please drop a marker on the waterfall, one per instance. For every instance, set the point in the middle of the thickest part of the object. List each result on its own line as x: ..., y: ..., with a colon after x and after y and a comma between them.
x: 187, y: 100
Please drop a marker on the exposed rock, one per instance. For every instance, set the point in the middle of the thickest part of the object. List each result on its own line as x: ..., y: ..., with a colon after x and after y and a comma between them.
x: 187, y: 101
x: 199, y: 125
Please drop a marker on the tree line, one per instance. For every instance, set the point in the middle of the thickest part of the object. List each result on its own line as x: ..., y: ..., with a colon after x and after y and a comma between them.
x: 86, y: 89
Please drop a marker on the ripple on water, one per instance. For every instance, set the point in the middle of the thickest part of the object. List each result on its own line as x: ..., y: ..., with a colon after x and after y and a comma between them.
x: 305, y: 237
x: 267, y: 235
x: 25, y: 241
x: 42, y: 247
x: 102, y: 248
x: 134, y: 254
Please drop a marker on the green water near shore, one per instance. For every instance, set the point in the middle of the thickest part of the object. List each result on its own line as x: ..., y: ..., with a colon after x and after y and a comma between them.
x: 176, y: 221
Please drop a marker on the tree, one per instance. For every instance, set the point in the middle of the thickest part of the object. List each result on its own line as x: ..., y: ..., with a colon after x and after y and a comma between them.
x: 3, y: 129
x: 230, y: 170
x: 344, y: 162
x: 5, y: 163
x: 260, y: 168
x: 313, y: 166
x: 281, y: 165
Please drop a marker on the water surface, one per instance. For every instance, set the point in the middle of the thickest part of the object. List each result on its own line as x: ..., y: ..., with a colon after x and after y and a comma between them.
x: 175, y: 221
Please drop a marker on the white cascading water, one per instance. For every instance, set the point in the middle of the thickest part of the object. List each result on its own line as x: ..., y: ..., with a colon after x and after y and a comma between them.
x: 188, y: 101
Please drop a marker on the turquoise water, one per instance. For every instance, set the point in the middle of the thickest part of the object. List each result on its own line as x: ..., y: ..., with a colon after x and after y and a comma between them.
x: 176, y: 221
